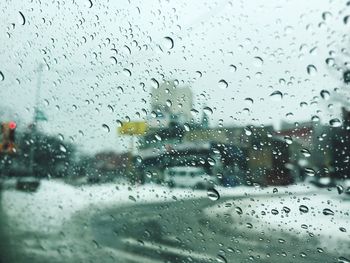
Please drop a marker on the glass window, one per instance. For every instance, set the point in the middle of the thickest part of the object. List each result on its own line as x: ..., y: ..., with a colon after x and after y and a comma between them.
x: 174, y: 131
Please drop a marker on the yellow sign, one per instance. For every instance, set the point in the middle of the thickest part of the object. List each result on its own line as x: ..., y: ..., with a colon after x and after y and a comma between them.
x: 133, y: 128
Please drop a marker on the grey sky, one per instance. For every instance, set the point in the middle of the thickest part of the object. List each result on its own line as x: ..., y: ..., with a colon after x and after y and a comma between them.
x: 80, y: 82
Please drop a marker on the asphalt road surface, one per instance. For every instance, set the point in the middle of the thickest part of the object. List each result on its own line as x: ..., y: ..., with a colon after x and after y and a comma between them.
x: 177, y: 231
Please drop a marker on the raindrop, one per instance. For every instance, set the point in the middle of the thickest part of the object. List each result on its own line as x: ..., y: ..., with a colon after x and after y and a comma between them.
x: 23, y: 19
x: 249, y: 101
x: 343, y: 260
x: 305, y: 152
x: 168, y: 103
x: 199, y: 74
x: 213, y: 194
x: 2, y: 76
x: 274, y: 190
x: 309, y: 171
x: 155, y: 83
x: 315, y: 118
x: 90, y: 3
x: 325, y: 94
x: 328, y: 212
x: 346, y: 20
x: 288, y: 139
x: 238, y: 210
x: 158, y: 137
x: 132, y: 198
x: 258, y: 61
x: 106, y: 127
x: 110, y: 107
x: 286, y: 209
x: 274, y: 211
x: 120, y: 89
x: 303, y: 209
x: 342, y: 229
x: 330, y: 62
x: 319, y: 250
x: 248, y: 131
x: 211, y: 161
x: 335, y: 122
x: 276, y: 95
x: 326, y: 15
x: 63, y: 148
x: 223, y: 84
x: 311, y: 70
x: 340, y: 189
x: 127, y: 72
x: 208, y: 110
x: 221, y: 259
x: 168, y: 43
x: 187, y: 127
x: 233, y: 68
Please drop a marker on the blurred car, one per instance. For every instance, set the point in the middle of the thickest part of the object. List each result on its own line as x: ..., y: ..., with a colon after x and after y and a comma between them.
x: 187, y: 176
x: 29, y: 184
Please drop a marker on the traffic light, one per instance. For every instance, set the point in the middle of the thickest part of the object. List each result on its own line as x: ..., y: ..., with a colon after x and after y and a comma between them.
x: 8, y: 130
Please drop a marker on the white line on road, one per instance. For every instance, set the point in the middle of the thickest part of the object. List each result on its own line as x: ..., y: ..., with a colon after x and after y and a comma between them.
x: 180, y: 251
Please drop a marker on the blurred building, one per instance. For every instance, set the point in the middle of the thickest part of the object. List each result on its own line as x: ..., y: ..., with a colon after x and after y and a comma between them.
x: 170, y: 102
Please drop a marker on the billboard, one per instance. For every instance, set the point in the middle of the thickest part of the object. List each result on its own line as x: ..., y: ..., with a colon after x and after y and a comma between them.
x: 133, y: 128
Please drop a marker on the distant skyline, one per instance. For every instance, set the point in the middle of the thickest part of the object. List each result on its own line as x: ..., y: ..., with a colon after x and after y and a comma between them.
x: 251, y: 62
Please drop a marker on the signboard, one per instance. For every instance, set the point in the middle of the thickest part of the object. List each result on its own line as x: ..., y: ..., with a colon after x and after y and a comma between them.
x: 133, y: 128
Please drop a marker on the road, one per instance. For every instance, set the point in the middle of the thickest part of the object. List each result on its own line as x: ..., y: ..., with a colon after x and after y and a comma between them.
x: 177, y: 231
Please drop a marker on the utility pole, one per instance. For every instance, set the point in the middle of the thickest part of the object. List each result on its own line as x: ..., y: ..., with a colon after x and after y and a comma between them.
x: 35, y: 122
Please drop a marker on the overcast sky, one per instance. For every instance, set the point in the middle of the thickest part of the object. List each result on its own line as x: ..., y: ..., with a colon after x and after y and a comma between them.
x: 100, y: 58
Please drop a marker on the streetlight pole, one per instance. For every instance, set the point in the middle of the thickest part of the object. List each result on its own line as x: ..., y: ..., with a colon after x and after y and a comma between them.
x: 35, y: 122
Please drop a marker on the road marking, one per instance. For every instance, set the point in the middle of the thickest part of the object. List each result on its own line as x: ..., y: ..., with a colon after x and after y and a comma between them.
x: 179, y: 251
x: 130, y: 256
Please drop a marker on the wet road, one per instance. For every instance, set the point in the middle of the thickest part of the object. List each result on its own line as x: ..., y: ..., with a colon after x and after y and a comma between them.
x: 176, y: 231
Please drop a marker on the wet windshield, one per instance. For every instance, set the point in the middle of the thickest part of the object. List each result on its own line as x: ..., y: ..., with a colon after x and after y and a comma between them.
x: 174, y: 131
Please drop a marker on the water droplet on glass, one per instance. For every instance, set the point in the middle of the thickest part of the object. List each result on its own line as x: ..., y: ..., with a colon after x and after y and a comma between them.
x: 325, y: 94
x: 248, y: 131
x: 346, y: 20
x: 328, y: 212
x: 168, y: 103
x: 23, y: 19
x: 127, y: 72
x: 221, y: 259
x: 335, y: 122
x: 305, y: 152
x: 276, y: 95
x: 106, y: 127
x: 132, y: 198
x: 309, y: 171
x: 90, y: 4
x: 311, y: 70
x: 303, y: 209
x: 155, y: 83
x: 258, y: 61
x: 213, y: 194
x: 340, y: 189
x: 199, y: 74
x: 208, y: 110
x: 168, y: 43
x: 233, y: 68
x: 238, y: 210
x: 343, y: 260
x: 288, y: 139
x: 286, y: 209
x: 63, y: 148
x: 223, y: 84
x: 2, y: 76
x: 187, y: 127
